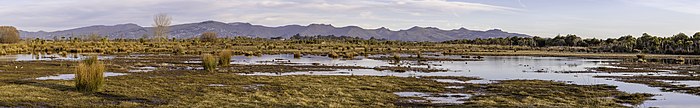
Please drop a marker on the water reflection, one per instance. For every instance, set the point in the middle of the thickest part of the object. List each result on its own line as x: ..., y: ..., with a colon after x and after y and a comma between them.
x: 46, y: 57
x: 71, y: 76
x: 491, y: 69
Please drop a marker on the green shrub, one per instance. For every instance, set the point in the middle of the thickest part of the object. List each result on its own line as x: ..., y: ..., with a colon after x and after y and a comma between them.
x: 9, y: 34
x: 225, y: 57
x: 89, y: 75
x: 209, y: 62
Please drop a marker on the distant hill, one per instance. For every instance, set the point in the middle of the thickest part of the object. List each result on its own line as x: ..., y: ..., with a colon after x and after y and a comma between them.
x: 246, y: 29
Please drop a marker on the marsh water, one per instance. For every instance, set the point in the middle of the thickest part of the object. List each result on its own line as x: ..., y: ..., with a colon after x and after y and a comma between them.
x: 490, y: 69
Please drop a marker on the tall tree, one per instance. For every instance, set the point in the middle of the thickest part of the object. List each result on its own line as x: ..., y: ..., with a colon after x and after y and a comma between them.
x: 9, y: 34
x: 161, y: 26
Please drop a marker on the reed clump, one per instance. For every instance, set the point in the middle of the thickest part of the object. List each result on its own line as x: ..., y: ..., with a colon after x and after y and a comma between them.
x: 297, y: 55
x: 209, y: 62
x: 225, y: 57
x: 89, y: 75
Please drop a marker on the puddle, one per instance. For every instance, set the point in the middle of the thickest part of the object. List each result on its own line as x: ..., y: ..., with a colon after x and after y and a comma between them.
x: 450, y: 81
x: 216, y: 85
x: 143, y: 69
x: 71, y: 76
x: 455, y: 87
x: 437, y: 98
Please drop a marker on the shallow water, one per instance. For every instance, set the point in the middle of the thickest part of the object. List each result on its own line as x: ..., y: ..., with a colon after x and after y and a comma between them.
x: 441, y: 98
x: 71, y: 76
x: 686, y: 83
x: 47, y: 57
x: 492, y: 68
x: 143, y: 69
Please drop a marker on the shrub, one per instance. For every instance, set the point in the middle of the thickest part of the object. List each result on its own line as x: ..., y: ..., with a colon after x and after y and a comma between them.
x: 209, y: 36
x: 419, y: 54
x: 9, y: 34
x: 350, y: 54
x: 89, y: 75
x: 209, y: 62
x: 225, y: 58
x: 640, y: 58
x: 396, y: 56
x: 297, y: 55
x: 333, y: 55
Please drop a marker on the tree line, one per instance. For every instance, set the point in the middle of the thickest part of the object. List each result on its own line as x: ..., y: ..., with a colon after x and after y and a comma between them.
x: 676, y: 44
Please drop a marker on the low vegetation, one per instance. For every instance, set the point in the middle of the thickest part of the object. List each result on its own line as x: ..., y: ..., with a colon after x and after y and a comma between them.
x: 209, y: 62
x: 535, y: 93
x: 89, y: 75
x: 225, y: 57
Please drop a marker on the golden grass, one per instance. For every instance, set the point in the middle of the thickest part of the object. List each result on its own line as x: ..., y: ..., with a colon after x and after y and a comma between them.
x: 89, y: 75
x: 225, y: 57
x: 209, y: 62
x: 297, y: 55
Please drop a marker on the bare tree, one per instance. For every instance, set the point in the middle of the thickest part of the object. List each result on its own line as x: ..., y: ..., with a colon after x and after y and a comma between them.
x: 209, y: 36
x: 161, y: 26
x: 9, y: 34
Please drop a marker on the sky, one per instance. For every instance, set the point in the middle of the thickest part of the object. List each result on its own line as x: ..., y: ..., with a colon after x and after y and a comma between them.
x: 544, y: 18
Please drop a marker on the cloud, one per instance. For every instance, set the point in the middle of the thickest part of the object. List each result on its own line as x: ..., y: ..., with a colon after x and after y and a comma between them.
x: 63, y: 14
x: 682, y: 6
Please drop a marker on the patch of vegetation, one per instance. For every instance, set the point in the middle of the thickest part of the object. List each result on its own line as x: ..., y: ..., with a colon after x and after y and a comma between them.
x: 537, y: 93
x: 209, y: 62
x: 89, y: 75
x: 225, y: 58
x: 623, y: 70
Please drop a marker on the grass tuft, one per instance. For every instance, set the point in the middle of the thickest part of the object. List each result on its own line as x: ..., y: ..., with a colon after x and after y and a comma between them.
x: 89, y: 75
x: 209, y: 62
x: 297, y: 55
x: 225, y: 57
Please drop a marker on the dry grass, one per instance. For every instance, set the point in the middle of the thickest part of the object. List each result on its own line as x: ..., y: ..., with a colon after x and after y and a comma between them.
x: 225, y: 57
x: 89, y: 75
x: 209, y: 62
x: 297, y: 55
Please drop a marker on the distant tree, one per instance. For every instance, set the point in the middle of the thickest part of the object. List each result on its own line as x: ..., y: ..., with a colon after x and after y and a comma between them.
x: 9, y: 34
x: 93, y: 37
x: 680, y: 36
x: 209, y: 36
x: 572, y: 40
x: 161, y: 26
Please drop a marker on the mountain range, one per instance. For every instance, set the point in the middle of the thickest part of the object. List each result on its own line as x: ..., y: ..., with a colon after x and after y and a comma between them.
x: 191, y: 30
